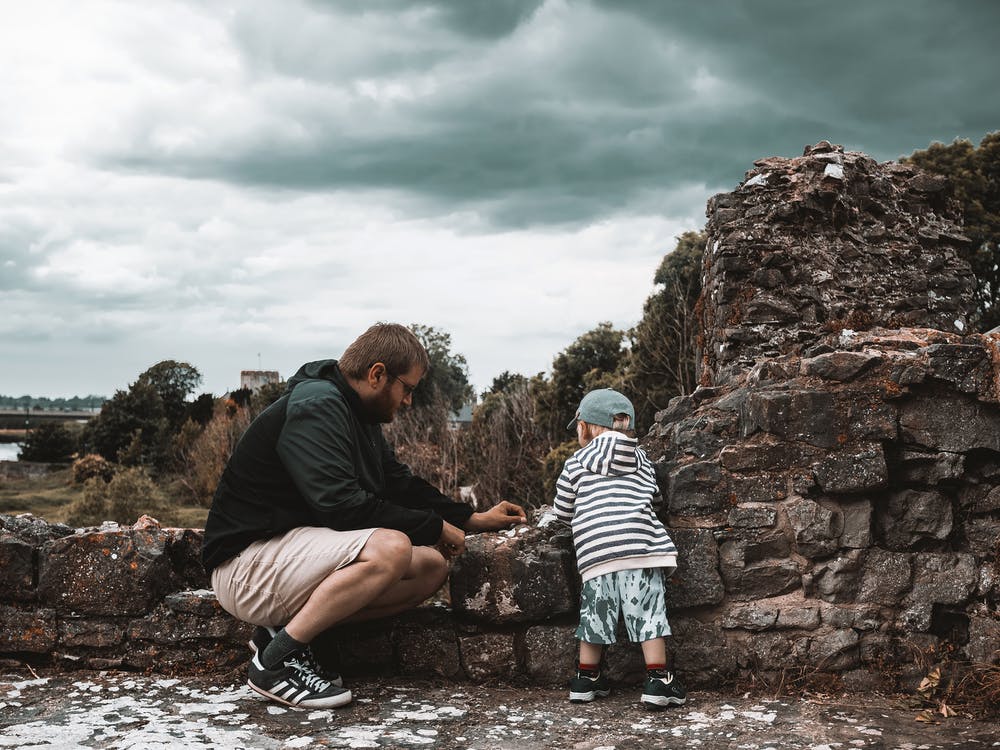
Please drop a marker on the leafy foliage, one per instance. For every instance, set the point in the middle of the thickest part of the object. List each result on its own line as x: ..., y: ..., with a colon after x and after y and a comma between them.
x: 975, y: 177
x: 137, y: 425
x: 129, y: 494
x: 591, y: 361
x: 448, y: 377
x: 51, y: 442
x: 662, y: 356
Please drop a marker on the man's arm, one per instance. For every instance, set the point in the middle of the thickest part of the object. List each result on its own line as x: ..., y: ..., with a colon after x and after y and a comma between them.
x: 413, y: 492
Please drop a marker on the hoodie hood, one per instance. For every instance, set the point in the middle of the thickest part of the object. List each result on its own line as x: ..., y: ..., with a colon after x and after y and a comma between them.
x: 612, y: 454
x: 321, y: 369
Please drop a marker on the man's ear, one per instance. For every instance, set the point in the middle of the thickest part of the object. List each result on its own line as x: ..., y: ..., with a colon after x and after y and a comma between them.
x: 375, y: 374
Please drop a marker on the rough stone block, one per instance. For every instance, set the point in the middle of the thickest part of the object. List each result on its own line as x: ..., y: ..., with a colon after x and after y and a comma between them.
x: 168, y: 628
x: 979, y: 498
x: 487, y: 656
x: 799, y: 617
x: 871, y: 419
x: 696, y: 489
x: 857, y: 515
x: 427, y: 644
x: 753, y: 515
x: 951, y: 424
x: 94, y: 633
x: 34, y: 631
x: 817, y: 529
x: 835, y: 651
x: 17, y: 561
x: 704, y: 655
x: 696, y: 582
x: 755, y: 457
x: 106, y: 572
x: 515, y: 577
x: 886, y: 577
x: 840, y: 366
x: 968, y: 367
x: 803, y: 415
x: 856, y: 470
x: 837, y: 580
x: 944, y: 578
x: 758, y: 488
x: 200, y: 602
x: 774, y: 650
x: 755, y: 616
x: 982, y: 536
x: 185, y: 558
x: 912, y: 516
x: 930, y: 468
x: 984, y: 640
x: 550, y: 653
x: 358, y: 649
x: 762, y: 580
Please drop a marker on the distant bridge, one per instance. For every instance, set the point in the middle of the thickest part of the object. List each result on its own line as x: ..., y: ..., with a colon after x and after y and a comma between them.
x: 26, y: 419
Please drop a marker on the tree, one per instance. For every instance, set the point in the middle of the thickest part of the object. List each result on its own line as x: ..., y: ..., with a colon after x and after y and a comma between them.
x: 975, y: 178
x: 174, y: 382
x: 51, y: 442
x: 448, y: 376
x: 591, y: 361
x: 662, y: 355
x: 137, y: 426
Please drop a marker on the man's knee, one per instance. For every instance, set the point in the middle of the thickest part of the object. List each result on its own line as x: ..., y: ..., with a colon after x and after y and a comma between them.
x: 430, y: 566
x: 391, y: 550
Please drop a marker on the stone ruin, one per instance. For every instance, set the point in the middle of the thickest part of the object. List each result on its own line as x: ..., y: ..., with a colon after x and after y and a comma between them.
x: 833, y: 485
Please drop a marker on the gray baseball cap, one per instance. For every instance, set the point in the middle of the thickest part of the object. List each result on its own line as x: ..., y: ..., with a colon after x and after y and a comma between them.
x: 600, y: 407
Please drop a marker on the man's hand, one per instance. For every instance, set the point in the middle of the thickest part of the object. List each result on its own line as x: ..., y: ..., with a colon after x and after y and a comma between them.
x: 452, y: 541
x: 503, y: 515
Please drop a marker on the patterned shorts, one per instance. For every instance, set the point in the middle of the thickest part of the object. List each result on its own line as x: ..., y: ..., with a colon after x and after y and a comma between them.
x: 637, y: 595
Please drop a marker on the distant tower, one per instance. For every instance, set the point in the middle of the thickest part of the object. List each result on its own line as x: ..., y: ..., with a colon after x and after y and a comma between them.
x: 254, y: 380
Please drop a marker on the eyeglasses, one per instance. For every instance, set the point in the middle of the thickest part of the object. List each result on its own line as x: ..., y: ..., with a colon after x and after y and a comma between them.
x: 407, y: 388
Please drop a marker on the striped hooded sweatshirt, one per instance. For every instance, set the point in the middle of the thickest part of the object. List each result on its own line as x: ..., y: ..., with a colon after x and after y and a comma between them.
x: 605, y: 493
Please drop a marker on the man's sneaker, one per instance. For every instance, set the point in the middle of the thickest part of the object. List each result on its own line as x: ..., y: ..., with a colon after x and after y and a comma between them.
x: 663, y: 689
x: 263, y: 635
x: 295, y: 684
x: 588, y: 685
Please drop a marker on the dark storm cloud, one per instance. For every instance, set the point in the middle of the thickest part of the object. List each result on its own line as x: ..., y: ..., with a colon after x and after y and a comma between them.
x: 607, y: 102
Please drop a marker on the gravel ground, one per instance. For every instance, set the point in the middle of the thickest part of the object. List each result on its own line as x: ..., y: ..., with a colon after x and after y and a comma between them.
x: 125, y: 710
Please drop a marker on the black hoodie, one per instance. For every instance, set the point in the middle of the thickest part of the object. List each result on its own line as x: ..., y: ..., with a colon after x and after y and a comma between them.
x: 311, y: 459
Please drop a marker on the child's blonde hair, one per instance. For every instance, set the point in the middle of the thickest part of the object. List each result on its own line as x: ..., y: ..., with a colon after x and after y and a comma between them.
x: 621, y: 423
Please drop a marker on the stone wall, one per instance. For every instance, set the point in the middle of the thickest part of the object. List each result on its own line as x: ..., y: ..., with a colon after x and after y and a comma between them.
x: 837, y: 475
x: 833, y: 486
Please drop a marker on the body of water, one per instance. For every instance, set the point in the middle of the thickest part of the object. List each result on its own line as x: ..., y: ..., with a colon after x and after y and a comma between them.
x: 9, y: 451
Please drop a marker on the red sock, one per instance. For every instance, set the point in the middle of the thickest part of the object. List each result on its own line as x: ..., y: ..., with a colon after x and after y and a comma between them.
x: 656, y: 666
x: 589, y: 667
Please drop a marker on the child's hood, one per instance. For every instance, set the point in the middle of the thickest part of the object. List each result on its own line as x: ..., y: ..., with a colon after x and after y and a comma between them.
x: 611, y: 454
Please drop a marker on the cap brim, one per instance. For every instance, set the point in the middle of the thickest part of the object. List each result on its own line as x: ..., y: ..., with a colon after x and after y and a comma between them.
x: 572, y: 423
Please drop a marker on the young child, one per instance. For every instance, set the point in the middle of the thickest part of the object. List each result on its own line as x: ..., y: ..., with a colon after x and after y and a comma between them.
x: 623, y: 552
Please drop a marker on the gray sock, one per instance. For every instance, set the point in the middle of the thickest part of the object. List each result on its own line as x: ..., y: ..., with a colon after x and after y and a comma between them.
x: 280, y: 648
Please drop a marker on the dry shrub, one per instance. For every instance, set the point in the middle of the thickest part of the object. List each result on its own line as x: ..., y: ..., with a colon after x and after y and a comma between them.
x: 204, y: 456
x: 425, y: 442
x: 128, y: 495
x: 91, y: 466
x: 504, y: 449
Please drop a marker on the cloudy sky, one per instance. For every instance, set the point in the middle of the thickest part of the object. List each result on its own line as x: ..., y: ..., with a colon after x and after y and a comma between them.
x: 235, y: 184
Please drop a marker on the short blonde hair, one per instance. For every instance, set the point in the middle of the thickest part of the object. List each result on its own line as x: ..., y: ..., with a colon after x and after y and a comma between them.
x: 392, y: 344
x: 621, y: 423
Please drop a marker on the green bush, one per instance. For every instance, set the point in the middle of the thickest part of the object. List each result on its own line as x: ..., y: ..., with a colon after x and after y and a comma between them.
x: 128, y: 495
x: 50, y: 442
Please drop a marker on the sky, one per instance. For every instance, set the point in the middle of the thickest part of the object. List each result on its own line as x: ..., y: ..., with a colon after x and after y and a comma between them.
x: 244, y: 185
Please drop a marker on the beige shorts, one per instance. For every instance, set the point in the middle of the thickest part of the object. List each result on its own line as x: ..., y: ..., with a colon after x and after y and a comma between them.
x: 269, y: 581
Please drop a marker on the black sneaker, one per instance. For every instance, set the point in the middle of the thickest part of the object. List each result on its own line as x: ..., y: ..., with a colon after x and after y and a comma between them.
x: 588, y: 685
x: 263, y: 635
x: 295, y: 684
x: 663, y: 689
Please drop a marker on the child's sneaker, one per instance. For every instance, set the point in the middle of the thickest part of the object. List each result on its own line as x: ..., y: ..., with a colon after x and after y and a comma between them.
x: 588, y: 685
x: 663, y: 689
x: 263, y: 635
x: 295, y: 684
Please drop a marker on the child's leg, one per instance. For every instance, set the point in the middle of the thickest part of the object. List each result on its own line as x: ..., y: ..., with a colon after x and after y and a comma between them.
x: 654, y: 651
x: 590, y: 655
